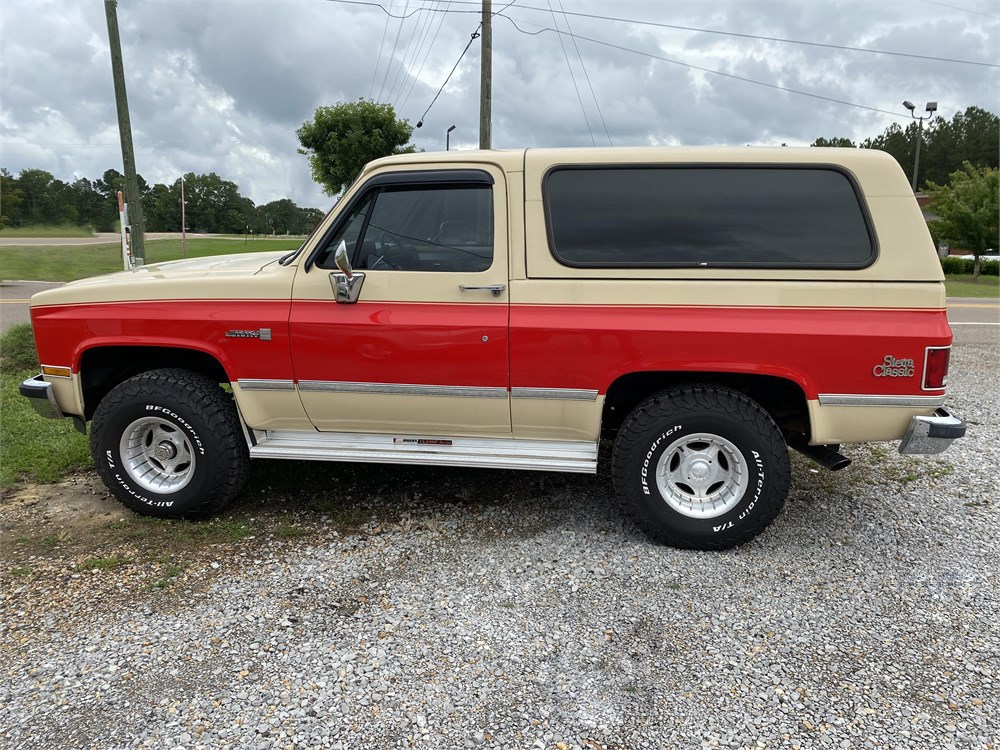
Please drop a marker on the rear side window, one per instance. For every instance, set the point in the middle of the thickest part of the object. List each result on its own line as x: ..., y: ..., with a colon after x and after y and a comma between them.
x: 733, y: 217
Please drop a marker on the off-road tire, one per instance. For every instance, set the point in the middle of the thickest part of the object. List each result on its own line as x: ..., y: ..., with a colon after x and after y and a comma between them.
x: 701, y: 415
x: 191, y: 415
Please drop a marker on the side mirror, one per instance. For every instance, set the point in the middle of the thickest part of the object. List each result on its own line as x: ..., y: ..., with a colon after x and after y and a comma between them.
x: 342, y: 261
x: 346, y: 282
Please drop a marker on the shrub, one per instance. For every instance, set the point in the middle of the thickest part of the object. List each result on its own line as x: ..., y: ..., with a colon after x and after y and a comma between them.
x: 956, y: 265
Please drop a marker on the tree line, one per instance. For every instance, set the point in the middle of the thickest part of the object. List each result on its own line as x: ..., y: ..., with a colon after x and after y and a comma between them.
x: 36, y: 197
x: 972, y: 136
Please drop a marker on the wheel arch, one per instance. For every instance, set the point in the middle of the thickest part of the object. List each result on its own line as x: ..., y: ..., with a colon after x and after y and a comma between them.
x: 103, y: 367
x: 782, y: 397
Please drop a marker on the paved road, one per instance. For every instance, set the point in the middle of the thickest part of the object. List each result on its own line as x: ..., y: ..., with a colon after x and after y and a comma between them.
x: 14, y: 296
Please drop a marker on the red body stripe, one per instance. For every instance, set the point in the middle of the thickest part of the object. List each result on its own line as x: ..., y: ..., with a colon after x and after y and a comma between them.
x: 549, y: 346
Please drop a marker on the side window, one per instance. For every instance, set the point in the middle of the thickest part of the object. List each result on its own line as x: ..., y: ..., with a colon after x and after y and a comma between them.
x: 658, y: 217
x: 429, y: 228
x: 418, y: 227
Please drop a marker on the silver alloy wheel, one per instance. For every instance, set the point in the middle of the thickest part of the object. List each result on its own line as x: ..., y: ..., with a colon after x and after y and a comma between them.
x: 157, y: 455
x: 702, y: 475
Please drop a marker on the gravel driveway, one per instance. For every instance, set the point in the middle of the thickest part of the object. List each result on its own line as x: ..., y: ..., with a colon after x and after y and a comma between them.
x: 533, y: 616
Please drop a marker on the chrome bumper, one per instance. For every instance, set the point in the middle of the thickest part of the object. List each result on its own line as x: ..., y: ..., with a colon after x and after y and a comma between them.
x: 39, y: 393
x: 927, y: 435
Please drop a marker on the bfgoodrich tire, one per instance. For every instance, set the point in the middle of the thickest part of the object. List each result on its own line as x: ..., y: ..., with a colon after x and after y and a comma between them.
x: 701, y: 467
x: 168, y: 443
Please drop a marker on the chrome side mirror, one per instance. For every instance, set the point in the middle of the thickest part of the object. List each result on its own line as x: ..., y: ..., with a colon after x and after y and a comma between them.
x: 347, y: 282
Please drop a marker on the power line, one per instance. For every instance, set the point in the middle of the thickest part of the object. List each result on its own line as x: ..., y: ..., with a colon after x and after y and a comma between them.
x: 392, y: 55
x: 428, y: 22
x: 572, y: 76
x: 472, y: 38
x: 403, y: 58
x: 966, y: 10
x: 381, y: 46
x: 585, y: 74
x: 416, y: 76
x: 636, y: 22
x: 705, y: 70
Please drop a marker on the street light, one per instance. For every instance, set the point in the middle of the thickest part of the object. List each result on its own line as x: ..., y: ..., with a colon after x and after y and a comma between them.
x: 447, y: 138
x: 931, y: 109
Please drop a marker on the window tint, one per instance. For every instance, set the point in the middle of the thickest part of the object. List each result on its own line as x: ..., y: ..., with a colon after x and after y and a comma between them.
x: 717, y: 216
x: 419, y: 228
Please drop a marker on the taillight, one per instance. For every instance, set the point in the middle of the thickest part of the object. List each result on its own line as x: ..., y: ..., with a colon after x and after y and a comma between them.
x: 936, y: 367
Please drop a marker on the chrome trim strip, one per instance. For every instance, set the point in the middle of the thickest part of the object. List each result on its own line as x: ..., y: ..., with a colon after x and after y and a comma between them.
x: 402, y: 389
x: 826, y: 399
x: 554, y: 394
x: 497, y: 453
x: 253, y: 384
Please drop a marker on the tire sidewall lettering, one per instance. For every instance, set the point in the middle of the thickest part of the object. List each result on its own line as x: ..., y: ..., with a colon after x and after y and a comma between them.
x: 644, y: 470
x: 168, y: 412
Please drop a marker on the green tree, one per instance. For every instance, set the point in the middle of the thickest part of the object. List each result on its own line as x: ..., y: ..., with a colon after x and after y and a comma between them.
x: 968, y: 210
x: 833, y: 143
x: 340, y: 140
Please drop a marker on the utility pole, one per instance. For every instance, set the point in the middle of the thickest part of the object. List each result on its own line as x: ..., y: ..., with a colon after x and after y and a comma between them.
x: 486, y: 79
x: 184, y: 235
x: 125, y: 133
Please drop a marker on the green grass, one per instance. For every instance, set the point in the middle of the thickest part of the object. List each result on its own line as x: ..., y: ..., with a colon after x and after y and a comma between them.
x: 59, y: 230
x: 964, y: 286
x: 67, y: 263
x: 31, y: 447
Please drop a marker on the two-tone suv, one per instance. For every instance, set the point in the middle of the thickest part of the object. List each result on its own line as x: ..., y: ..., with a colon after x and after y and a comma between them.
x: 706, y: 309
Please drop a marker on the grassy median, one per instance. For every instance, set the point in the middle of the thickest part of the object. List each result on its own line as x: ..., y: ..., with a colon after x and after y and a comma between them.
x: 67, y: 263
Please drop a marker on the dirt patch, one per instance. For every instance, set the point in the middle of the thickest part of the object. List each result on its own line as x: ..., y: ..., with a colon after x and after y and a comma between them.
x: 77, y: 504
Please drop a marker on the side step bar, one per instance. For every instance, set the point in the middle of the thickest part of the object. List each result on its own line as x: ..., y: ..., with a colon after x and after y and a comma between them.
x: 490, y: 453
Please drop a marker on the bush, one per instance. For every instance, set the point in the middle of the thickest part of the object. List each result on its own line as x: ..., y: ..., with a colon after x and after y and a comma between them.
x: 956, y: 265
x: 17, y: 349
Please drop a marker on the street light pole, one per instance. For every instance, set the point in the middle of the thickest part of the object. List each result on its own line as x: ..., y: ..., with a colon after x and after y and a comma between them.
x: 930, y: 109
x: 447, y: 138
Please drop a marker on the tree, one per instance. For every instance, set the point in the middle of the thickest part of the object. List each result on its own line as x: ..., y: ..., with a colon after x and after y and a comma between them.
x: 833, y: 143
x: 340, y: 140
x: 968, y: 209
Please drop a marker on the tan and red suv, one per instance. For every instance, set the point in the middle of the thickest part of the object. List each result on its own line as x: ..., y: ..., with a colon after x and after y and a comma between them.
x: 707, y: 309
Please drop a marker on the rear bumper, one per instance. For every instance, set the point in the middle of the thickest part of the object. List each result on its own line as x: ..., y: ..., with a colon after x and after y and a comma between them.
x: 928, y: 435
x: 42, y: 399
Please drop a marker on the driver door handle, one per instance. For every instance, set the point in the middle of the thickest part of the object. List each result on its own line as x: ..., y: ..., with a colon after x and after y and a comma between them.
x: 496, y: 289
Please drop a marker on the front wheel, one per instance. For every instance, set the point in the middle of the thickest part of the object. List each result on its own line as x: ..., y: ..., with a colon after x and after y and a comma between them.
x: 701, y: 467
x: 168, y: 443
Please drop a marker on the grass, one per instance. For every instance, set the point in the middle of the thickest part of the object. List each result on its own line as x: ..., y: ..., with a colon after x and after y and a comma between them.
x: 34, y: 448
x: 102, y: 563
x: 57, y: 230
x: 964, y: 286
x: 62, y: 263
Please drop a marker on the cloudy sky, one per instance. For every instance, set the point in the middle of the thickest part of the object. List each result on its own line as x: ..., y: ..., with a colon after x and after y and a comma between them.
x: 220, y: 85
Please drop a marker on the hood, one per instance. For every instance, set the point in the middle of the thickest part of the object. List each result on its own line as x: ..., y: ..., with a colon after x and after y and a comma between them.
x: 243, y: 276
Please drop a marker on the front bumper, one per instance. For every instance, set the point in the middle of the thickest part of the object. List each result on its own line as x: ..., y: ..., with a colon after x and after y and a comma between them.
x: 40, y: 394
x: 929, y: 435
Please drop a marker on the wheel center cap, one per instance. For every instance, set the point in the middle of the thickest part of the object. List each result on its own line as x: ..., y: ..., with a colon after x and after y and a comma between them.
x: 165, y: 451
x: 699, y: 469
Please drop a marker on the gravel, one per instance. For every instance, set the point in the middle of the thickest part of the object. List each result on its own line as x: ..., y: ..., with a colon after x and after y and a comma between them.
x: 866, y: 617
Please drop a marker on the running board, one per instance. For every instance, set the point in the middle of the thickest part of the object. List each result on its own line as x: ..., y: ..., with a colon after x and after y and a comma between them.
x: 489, y: 453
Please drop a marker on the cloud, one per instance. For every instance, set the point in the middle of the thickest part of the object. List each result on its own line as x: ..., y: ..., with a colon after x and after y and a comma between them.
x: 222, y: 86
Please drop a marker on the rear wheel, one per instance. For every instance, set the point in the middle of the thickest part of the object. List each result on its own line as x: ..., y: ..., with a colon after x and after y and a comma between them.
x: 168, y: 443
x: 701, y: 467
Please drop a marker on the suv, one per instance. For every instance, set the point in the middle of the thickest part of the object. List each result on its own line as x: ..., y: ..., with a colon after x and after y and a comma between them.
x: 705, y: 308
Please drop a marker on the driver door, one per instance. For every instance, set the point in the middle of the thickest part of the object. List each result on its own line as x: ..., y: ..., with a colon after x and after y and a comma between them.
x: 422, y: 349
